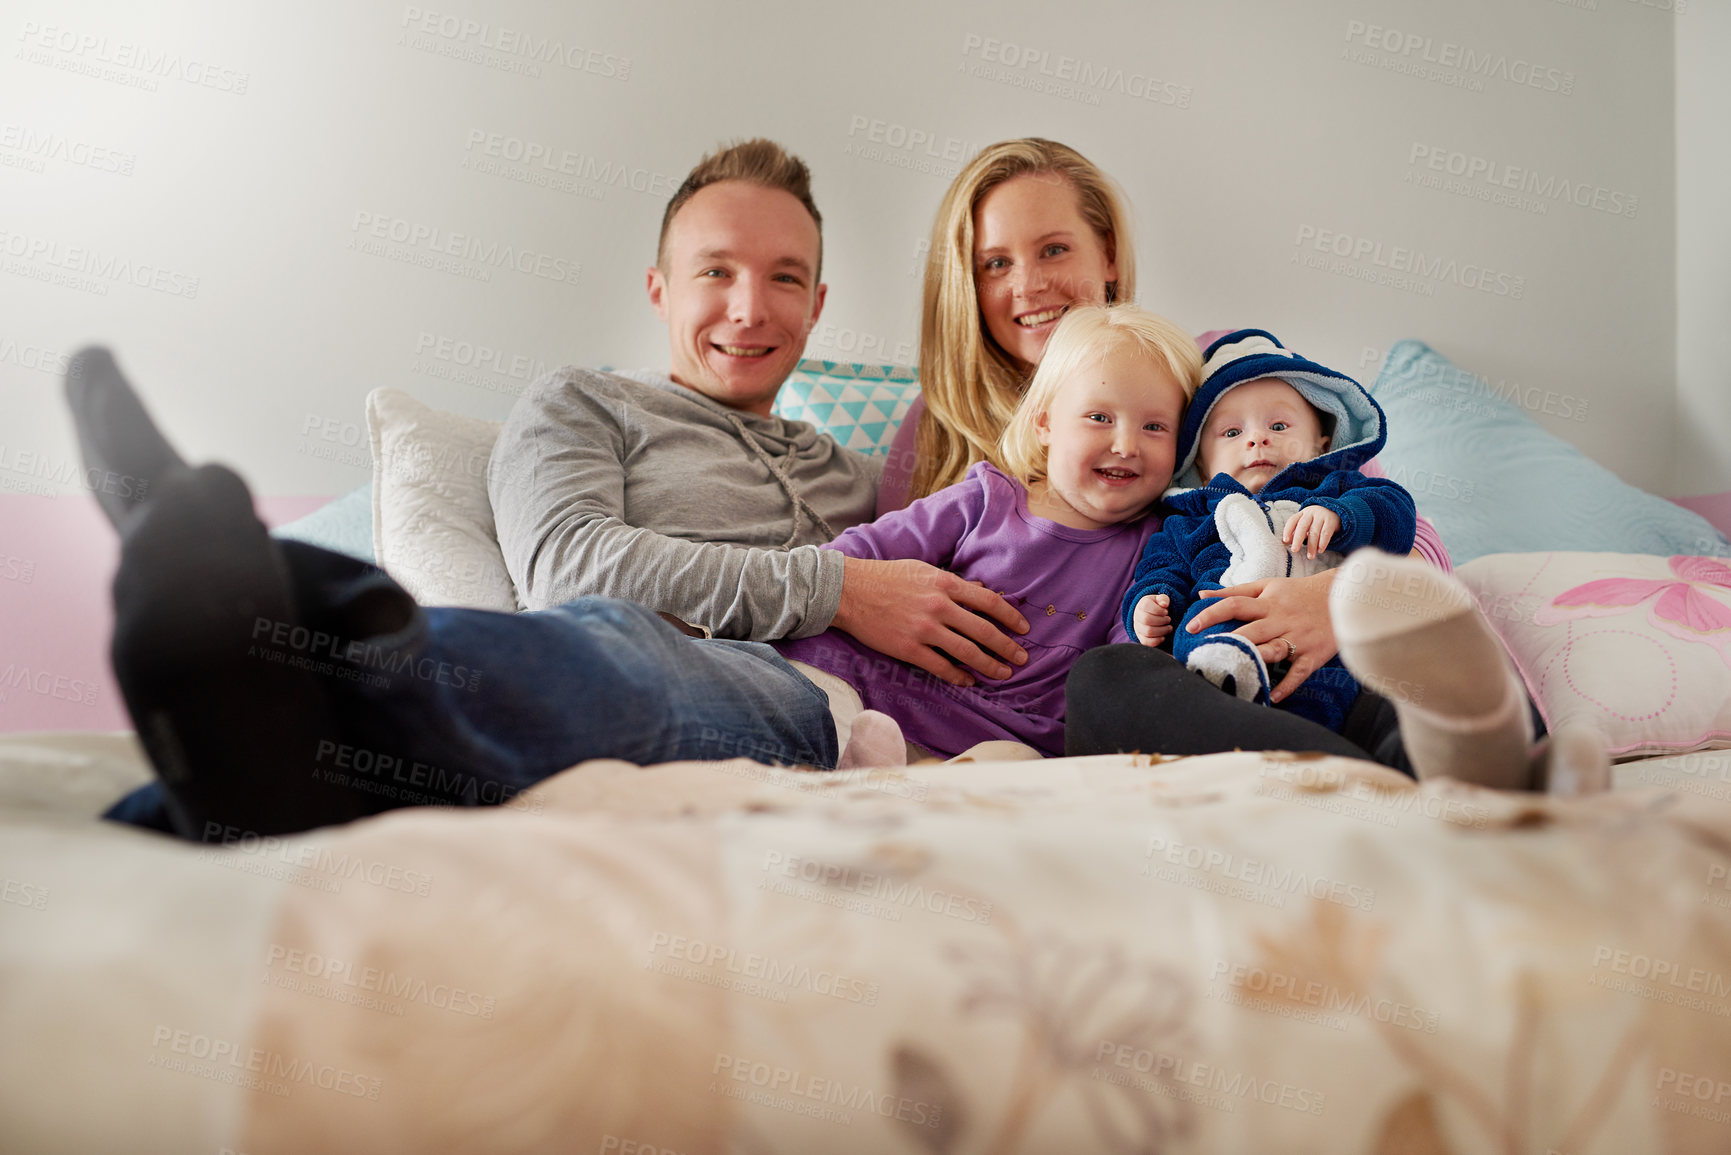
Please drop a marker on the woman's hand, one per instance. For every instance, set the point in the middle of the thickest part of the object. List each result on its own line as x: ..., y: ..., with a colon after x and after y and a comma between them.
x: 1276, y: 611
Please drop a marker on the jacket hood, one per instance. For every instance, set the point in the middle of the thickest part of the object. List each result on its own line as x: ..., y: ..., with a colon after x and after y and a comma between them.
x: 1352, y: 418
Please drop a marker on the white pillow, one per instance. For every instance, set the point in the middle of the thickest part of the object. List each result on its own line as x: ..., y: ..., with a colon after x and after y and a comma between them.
x: 432, y: 522
x: 1638, y: 645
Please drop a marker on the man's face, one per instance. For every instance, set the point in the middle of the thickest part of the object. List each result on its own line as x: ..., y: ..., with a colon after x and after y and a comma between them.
x: 739, y: 292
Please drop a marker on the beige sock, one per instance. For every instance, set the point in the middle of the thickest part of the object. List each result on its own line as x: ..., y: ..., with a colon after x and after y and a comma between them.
x: 863, y: 737
x: 1572, y: 761
x: 1414, y: 635
x: 874, y: 740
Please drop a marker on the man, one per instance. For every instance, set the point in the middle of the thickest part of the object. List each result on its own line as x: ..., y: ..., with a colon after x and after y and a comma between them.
x: 277, y: 686
x: 646, y: 486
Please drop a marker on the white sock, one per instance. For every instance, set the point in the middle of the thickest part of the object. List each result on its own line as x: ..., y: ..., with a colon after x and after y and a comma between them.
x: 1414, y: 634
x: 874, y: 740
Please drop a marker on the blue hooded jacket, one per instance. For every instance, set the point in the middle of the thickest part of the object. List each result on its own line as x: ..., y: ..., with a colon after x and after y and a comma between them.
x: 1187, y: 553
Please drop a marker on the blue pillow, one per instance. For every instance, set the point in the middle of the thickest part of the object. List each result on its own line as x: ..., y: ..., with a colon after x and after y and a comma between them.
x: 1492, y: 481
x: 859, y: 405
x: 344, y: 525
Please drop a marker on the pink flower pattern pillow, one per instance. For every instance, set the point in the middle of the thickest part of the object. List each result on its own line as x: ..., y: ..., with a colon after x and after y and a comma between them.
x: 1638, y: 645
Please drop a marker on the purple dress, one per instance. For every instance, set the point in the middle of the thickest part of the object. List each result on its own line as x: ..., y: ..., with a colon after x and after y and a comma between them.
x: 1066, y: 582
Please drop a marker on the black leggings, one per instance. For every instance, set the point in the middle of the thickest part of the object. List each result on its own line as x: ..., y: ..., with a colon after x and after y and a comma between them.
x: 1128, y: 698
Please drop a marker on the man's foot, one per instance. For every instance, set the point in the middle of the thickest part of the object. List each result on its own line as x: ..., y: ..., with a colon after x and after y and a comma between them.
x: 205, y: 635
x: 124, y: 453
x: 1414, y: 635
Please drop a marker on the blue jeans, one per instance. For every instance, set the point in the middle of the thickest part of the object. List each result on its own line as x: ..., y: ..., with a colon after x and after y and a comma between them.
x: 469, y: 707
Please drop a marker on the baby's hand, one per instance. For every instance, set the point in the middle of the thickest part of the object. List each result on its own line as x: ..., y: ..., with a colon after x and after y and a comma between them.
x: 1151, y: 620
x: 1313, y: 523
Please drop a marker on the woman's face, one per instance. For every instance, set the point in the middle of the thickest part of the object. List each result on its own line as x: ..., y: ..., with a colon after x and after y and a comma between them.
x: 1034, y: 257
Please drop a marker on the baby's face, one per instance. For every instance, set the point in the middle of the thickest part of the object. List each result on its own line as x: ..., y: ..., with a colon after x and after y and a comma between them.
x: 1258, y: 429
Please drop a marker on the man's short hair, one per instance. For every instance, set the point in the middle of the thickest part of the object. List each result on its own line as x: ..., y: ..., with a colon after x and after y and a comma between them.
x: 758, y: 161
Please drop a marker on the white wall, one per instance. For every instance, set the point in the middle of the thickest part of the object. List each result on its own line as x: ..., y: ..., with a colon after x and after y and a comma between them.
x: 1272, y: 127
x: 1703, y: 30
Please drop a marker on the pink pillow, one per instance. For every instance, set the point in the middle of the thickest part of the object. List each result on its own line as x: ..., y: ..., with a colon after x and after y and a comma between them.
x: 1715, y: 507
x: 1638, y: 645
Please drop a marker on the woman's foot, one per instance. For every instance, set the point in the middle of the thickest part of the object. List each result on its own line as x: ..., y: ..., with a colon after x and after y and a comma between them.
x: 1572, y: 762
x: 1414, y: 635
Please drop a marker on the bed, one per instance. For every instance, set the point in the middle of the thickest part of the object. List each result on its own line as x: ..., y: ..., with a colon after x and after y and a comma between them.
x: 1239, y: 952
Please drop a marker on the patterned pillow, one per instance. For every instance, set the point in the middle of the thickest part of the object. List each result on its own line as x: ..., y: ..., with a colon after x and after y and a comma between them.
x: 1638, y: 645
x: 859, y: 405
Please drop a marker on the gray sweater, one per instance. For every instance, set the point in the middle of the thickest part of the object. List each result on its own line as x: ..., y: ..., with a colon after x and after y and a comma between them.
x: 637, y: 487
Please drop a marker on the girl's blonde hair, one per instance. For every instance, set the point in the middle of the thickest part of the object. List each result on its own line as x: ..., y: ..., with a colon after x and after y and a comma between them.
x: 1086, y: 333
x: 970, y: 385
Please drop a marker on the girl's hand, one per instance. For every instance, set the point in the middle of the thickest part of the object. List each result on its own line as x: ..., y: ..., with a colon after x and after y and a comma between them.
x: 1276, y: 611
x: 1151, y: 619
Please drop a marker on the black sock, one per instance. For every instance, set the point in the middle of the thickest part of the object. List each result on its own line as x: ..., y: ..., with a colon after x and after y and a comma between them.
x: 344, y: 596
x: 1128, y: 698
x: 205, y: 651
x: 125, y: 455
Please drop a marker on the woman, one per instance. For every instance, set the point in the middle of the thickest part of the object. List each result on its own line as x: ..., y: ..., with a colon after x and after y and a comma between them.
x: 1028, y: 228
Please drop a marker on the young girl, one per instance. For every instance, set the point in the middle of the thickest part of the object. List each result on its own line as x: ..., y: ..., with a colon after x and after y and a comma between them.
x: 1056, y: 528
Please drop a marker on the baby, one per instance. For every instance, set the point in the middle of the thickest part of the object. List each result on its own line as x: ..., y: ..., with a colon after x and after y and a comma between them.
x: 1055, y: 527
x: 1267, y: 483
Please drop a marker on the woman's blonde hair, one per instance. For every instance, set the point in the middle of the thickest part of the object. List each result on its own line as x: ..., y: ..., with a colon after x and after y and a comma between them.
x: 969, y: 384
x: 1086, y: 333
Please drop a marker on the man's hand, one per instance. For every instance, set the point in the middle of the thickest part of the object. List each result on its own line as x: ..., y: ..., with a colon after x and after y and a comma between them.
x: 909, y: 611
x: 1274, y: 611
x: 1314, y: 525
x: 1151, y: 619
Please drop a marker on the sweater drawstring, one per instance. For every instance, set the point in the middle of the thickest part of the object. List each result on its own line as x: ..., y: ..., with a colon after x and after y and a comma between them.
x: 774, y: 466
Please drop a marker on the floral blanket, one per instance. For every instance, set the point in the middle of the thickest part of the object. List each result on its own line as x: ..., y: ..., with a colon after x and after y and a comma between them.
x: 1229, y: 953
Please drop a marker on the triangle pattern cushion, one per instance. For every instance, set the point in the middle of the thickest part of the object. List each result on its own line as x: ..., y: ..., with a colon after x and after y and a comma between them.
x: 850, y: 402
